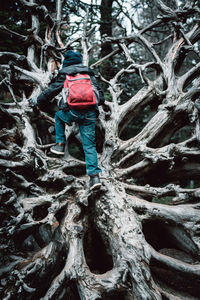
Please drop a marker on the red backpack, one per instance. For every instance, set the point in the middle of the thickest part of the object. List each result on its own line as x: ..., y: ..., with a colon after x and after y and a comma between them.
x: 78, y: 92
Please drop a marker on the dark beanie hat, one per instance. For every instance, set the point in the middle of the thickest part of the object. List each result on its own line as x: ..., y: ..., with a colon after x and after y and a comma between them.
x: 72, y: 58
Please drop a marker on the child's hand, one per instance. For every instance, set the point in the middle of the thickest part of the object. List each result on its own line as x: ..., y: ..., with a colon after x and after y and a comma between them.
x: 32, y: 102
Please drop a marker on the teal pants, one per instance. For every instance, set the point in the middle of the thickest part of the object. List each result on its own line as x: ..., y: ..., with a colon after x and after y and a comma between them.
x: 86, y: 121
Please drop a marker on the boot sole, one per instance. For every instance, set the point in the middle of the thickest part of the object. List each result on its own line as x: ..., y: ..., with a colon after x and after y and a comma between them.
x: 95, y: 187
x: 56, y: 152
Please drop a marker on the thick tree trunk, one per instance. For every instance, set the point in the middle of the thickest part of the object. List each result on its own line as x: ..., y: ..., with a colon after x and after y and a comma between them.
x: 58, y: 240
x: 106, y: 28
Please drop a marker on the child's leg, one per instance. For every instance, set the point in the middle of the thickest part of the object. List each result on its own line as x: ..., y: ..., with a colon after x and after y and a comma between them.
x: 60, y: 119
x: 87, y: 131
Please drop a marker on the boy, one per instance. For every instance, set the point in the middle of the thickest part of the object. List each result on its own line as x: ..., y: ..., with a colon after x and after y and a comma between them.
x: 85, y: 118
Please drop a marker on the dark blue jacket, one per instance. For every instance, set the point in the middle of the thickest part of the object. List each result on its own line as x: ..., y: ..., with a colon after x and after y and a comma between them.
x: 56, y: 87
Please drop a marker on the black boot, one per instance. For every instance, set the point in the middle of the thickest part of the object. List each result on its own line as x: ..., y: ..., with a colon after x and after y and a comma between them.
x: 94, y: 183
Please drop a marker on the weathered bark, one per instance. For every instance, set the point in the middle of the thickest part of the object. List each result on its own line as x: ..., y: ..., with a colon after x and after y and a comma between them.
x: 58, y: 241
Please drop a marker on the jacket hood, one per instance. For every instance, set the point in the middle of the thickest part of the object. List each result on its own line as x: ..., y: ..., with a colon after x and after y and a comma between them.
x: 74, y: 69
